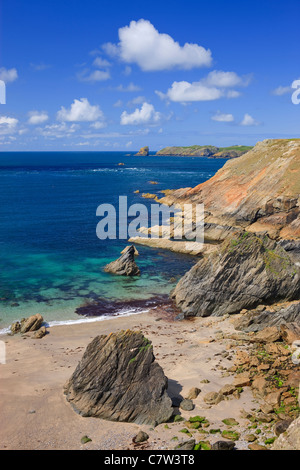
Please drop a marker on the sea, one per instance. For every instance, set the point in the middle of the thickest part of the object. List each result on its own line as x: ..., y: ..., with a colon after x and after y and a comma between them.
x: 51, y: 260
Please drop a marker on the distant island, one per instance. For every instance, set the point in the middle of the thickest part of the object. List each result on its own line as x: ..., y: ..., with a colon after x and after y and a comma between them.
x: 206, y: 151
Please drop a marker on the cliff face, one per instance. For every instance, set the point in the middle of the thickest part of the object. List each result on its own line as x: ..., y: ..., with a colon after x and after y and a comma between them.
x: 258, y: 192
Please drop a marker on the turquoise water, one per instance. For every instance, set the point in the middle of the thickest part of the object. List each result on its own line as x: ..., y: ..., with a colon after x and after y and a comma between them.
x: 51, y: 259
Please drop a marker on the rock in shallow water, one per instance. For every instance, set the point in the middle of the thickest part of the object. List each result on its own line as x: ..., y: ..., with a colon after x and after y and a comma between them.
x: 118, y: 379
x: 125, y: 265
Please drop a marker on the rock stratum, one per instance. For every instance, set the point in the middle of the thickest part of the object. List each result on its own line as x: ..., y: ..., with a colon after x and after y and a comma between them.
x: 118, y: 379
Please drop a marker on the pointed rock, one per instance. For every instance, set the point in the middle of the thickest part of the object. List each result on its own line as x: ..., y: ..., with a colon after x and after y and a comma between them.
x: 118, y: 379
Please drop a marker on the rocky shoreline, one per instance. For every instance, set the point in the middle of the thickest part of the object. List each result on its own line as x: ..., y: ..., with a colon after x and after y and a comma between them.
x: 224, y: 372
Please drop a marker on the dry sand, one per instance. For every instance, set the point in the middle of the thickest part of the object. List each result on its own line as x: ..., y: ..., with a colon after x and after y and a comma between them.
x: 36, y: 415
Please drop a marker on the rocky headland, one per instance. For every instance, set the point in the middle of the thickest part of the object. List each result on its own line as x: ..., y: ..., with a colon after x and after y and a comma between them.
x: 209, y: 151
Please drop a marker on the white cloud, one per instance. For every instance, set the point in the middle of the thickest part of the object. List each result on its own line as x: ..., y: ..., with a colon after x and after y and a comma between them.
x: 185, y: 91
x: 129, y: 88
x: 136, y: 100
x: 118, y: 104
x: 98, y: 125
x: 7, y: 125
x: 249, y: 121
x: 223, y: 117
x: 282, y: 90
x: 146, y: 114
x: 99, y: 62
x: 36, y: 117
x: 222, y: 79
x: 142, y: 44
x: 58, y: 130
x: 8, y: 75
x: 111, y: 49
x: 95, y: 76
x: 80, y: 110
x: 128, y: 144
x: 214, y: 86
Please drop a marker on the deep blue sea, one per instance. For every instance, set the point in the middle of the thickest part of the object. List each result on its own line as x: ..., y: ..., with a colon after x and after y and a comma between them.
x: 51, y: 259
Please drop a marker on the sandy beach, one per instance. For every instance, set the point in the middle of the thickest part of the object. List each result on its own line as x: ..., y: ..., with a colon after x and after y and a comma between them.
x: 36, y: 415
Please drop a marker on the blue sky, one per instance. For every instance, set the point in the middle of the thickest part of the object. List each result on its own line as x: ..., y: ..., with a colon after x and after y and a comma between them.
x: 104, y: 75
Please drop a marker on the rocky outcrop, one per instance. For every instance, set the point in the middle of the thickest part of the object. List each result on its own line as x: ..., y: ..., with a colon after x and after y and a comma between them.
x: 118, y: 379
x: 143, y: 152
x: 32, y: 323
x: 125, y: 265
x: 281, y: 316
x: 258, y: 192
x: 242, y: 273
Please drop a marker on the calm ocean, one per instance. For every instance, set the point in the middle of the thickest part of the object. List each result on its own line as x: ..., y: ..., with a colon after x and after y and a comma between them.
x: 51, y: 259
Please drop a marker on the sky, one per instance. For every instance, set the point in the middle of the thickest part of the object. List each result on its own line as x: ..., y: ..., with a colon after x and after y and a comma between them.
x: 109, y: 75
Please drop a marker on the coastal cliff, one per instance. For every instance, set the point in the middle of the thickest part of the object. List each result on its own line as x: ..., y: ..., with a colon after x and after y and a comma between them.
x: 258, y: 192
x: 209, y: 151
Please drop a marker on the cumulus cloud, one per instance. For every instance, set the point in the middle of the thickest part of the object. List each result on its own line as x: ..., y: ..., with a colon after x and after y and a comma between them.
x: 142, y: 44
x: 8, y: 75
x: 7, y: 125
x: 146, y: 114
x: 80, y: 110
x: 37, y: 117
x: 214, y: 86
x: 249, y: 121
x: 223, y: 117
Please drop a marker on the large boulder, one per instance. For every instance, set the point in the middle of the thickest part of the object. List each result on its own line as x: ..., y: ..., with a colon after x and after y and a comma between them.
x: 118, y: 379
x: 32, y: 323
x: 125, y: 265
x: 242, y: 273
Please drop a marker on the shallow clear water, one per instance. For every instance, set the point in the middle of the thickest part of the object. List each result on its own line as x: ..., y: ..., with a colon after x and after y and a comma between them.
x: 51, y: 259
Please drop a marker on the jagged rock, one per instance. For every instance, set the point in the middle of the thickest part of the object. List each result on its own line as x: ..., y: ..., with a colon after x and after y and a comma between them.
x: 290, y: 439
x: 280, y: 316
x: 15, y: 327
x: 32, y: 323
x: 143, y: 152
x: 125, y: 265
x: 118, y: 379
x: 136, y: 253
x: 243, y: 272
